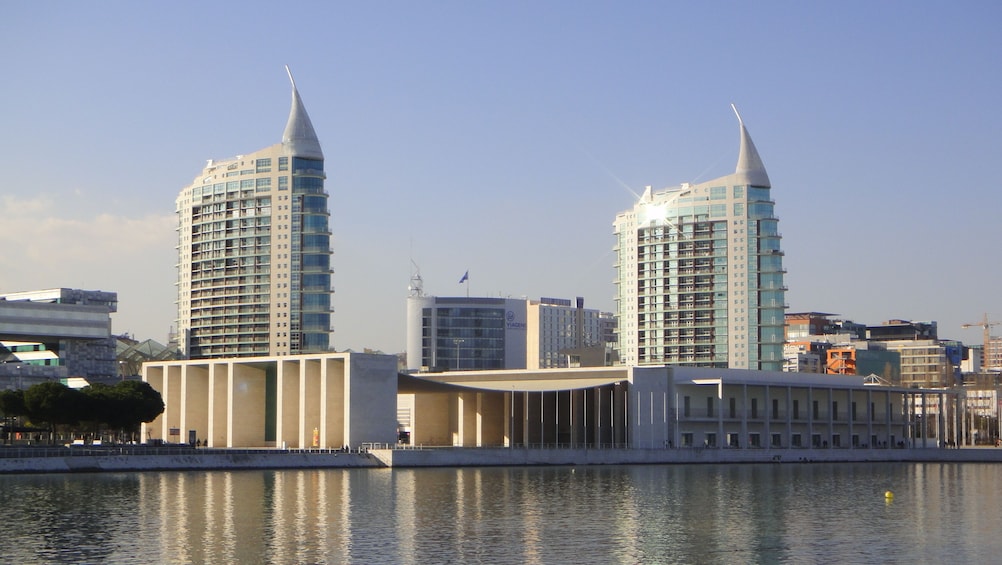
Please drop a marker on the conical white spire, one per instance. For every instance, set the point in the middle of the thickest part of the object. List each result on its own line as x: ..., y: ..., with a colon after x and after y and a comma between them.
x: 750, y: 166
x: 299, y: 136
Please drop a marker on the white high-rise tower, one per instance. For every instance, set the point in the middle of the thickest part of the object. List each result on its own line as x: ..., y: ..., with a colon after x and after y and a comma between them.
x: 699, y: 273
x: 254, y: 254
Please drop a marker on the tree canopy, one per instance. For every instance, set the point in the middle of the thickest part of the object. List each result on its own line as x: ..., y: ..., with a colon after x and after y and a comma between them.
x: 123, y: 406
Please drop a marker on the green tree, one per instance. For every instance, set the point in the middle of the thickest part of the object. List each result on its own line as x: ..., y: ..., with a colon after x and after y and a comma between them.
x: 11, y: 406
x: 12, y: 403
x: 54, y: 404
x: 141, y: 403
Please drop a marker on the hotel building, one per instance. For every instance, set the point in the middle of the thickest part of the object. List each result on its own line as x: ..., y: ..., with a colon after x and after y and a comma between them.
x: 254, y: 255
x: 481, y: 333
x: 699, y: 273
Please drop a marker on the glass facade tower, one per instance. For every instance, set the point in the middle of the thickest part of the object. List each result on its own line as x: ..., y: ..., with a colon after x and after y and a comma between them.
x: 699, y: 273
x: 254, y: 255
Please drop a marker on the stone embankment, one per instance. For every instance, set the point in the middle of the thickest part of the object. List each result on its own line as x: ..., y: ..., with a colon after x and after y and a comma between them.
x: 72, y: 459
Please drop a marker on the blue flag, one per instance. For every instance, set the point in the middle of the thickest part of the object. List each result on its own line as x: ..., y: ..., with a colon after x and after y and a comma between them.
x: 466, y: 277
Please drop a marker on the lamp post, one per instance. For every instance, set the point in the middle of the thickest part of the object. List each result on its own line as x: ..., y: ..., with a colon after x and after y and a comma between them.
x: 457, y: 341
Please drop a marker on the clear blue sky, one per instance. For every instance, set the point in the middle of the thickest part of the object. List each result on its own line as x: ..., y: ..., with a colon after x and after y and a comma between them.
x: 503, y: 137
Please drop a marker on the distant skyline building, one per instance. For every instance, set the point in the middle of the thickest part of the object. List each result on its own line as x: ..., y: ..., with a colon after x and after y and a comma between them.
x: 477, y: 333
x: 699, y: 272
x: 446, y: 333
x: 55, y: 334
x: 254, y: 253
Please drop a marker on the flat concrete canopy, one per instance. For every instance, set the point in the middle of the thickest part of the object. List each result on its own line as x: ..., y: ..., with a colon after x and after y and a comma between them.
x: 520, y: 380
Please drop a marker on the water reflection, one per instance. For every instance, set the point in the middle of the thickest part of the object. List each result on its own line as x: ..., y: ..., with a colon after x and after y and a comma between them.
x: 629, y: 514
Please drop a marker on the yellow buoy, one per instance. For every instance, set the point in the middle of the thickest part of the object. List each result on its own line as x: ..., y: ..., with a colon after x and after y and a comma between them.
x: 889, y: 495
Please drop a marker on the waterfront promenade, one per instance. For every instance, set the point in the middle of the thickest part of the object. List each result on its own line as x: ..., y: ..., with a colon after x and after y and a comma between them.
x: 66, y: 460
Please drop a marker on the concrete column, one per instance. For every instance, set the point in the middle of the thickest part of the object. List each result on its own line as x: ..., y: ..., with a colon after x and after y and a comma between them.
x: 743, y: 439
x: 789, y: 416
x: 810, y: 417
x: 768, y: 419
x: 219, y: 391
x: 848, y: 395
x: 721, y: 439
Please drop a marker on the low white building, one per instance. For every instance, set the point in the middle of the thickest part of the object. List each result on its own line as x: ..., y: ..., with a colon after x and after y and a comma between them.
x: 325, y: 400
x: 330, y: 400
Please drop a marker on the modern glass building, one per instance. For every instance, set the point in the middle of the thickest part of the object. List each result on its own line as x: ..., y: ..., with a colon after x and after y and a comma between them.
x: 465, y: 334
x: 254, y: 255
x: 699, y: 273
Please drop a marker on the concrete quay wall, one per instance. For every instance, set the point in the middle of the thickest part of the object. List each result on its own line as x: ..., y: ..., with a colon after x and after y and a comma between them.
x: 460, y: 457
x: 53, y: 462
x: 263, y: 459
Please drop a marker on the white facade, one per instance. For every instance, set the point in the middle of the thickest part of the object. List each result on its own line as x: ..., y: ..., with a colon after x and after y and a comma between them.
x: 557, y: 326
x: 700, y: 274
x: 671, y: 407
x: 295, y: 402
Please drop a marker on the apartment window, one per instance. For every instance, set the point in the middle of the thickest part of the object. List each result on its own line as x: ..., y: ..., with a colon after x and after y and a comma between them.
x: 283, y: 163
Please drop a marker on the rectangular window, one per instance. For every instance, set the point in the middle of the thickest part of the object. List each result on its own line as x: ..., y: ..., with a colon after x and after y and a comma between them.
x: 263, y: 165
x: 796, y: 409
x: 777, y: 440
x: 685, y: 406
x: 711, y: 439
x: 775, y: 408
x: 263, y: 184
x: 754, y: 440
x: 709, y: 406
x: 853, y: 411
x: 795, y: 440
x: 754, y: 408
x: 283, y: 183
x: 739, y: 192
x: 733, y: 407
x: 283, y: 163
x: 686, y: 439
x: 814, y: 410
x: 834, y: 410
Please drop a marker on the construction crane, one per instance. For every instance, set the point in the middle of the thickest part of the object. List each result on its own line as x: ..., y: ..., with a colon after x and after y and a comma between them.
x: 986, y: 326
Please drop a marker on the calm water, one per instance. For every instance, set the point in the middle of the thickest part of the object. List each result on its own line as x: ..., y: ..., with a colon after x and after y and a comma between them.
x: 789, y: 513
